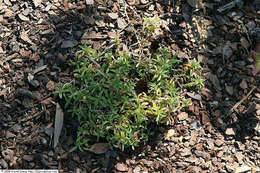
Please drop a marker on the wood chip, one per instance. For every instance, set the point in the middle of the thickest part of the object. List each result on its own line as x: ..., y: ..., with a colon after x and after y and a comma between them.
x: 113, y: 15
x: 185, y: 152
x: 214, y: 79
x: 220, y: 154
x: 28, y: 158
x: 243, y: 168
x: 195, y: 3
x: 7, y: 2
x: 25, y: 37
x: 50, y: 85
x: 243, y: 84
x: 93, y: 36
x: 230, y: 131
x: 240, y: 157
x: 68, y: 44
x: 9, y: 134
x: 89, y: 2
x: 169, y: 134
x: 182, y: 116
x: 121, y: 167
x: 39, y: 69
x: 121, y: 23
x: 132, y: 2
x: 219, y: 142
x: 37, y: 2
x: 204, y: 118
x: 23, y: 18
x: 8, y: 13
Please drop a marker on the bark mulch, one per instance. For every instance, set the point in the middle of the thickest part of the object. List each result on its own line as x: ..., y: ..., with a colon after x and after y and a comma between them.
x: 219, y: 132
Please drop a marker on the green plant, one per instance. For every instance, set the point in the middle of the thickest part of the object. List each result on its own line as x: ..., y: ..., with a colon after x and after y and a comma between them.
x: 195, y: 79
x: 151, y: 25
x: 256, y: 56
x: 117, y: 96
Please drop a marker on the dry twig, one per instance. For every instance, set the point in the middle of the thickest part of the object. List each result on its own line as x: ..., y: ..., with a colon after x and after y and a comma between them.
x: 234, y: 108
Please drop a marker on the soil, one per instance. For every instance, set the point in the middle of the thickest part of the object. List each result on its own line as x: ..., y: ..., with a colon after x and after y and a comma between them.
x: 219, y: 132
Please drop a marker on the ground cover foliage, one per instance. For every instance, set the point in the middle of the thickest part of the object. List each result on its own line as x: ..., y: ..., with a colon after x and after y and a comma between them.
x: 117, y: 95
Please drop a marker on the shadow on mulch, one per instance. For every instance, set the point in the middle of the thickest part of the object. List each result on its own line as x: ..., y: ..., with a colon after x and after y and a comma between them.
x: 62, y: 44
x: 229, y: 71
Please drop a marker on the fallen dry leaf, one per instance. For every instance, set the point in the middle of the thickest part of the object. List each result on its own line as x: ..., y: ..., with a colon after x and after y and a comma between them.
x: 58, y: 124
x: 99, y: 148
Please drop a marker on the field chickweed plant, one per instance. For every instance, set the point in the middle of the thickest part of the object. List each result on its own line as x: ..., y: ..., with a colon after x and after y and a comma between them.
x: 116, y: 96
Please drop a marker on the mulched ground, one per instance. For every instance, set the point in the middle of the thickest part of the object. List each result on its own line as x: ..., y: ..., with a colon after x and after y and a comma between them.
x: 218, y: 133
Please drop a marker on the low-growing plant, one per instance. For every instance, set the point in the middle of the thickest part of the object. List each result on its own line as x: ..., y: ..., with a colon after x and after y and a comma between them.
x: 256, y: 56
x: 151, y: 25
x: 107, y: 102
x: 116, y: 97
